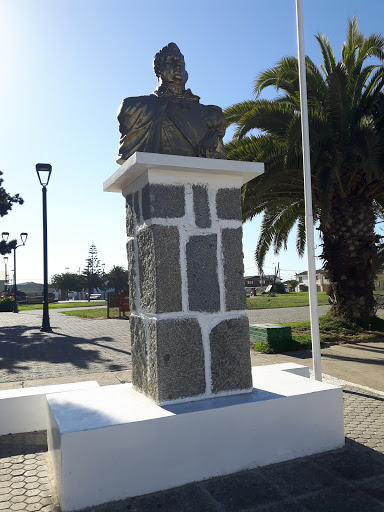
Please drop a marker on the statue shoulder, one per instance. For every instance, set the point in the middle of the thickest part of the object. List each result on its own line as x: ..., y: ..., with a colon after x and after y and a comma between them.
x: 135, y: 103
x: 214, y: 115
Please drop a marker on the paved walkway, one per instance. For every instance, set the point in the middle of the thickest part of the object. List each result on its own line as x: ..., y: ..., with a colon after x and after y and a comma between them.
x: 76, y: 347
x: 273, y: 315
x: 351, y: 479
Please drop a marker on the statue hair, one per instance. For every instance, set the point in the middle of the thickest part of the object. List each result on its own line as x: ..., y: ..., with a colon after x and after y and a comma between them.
x: 161, y: 56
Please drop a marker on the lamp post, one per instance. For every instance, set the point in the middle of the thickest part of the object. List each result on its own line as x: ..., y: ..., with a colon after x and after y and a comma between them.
x: 88, y: 282
x: 5, y: 259
x: 103, y: 267
x: 23, y: 237
x: 66, y: 284
x: 44, y: 173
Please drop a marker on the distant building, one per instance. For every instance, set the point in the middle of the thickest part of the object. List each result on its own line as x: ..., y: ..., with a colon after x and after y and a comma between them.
x: 33, y: 289
x: 322, y: 283
x: 253, y: 282
x: 379, y: 282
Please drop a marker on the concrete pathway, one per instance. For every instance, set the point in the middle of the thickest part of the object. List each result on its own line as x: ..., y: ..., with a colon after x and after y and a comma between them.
x: 259, y: 316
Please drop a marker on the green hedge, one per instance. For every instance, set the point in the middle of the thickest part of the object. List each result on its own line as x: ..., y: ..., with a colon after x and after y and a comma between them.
x: 6, y: 304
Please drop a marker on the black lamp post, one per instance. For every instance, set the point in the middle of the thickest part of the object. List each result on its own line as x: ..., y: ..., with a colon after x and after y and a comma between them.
x: 5, y: 259
x: 103, y: 267
x: 44, y: 173
x: 23, y: 237
x: 89, y: 284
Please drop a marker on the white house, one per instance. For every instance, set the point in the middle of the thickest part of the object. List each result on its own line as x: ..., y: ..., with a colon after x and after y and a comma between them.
x: 322, y: 282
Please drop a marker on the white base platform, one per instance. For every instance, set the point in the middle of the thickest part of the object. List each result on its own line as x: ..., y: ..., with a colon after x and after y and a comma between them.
x: 112, y: 443
x: 25, y: 409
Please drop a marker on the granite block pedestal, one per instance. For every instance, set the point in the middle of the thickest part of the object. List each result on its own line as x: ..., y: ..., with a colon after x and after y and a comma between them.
x: 189, y: 330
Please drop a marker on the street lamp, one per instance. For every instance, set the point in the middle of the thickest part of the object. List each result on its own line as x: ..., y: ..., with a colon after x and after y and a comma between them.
x: 23, y: 237
x: 103, y: 267
x: 89, y: 285
x: 5, y: 259
x: 44, y: 173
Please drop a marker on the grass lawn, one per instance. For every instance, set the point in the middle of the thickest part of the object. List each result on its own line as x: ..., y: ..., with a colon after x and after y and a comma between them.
x: 95, y: 314
x: 332, y: 330
x: 284, y: 300
x: 55, y: 305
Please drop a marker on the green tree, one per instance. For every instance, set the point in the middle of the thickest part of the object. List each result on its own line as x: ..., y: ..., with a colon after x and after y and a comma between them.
x: 67, y: 282
x: 346, y: 119
x: 292, y: 283
x: 6, y: 203
x: 117, y: 278
x: 92, y: 271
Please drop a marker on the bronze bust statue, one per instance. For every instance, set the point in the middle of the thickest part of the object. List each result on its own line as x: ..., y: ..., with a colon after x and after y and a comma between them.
x: 170, y: 120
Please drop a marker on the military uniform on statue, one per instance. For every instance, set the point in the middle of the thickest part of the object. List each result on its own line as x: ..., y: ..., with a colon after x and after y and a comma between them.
x: 171, y: 120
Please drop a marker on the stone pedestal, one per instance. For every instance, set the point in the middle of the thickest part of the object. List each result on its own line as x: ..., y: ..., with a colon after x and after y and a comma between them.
x: 190, y: 334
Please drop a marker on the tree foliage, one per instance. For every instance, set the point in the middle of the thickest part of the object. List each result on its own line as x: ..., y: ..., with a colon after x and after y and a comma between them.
x: 67, y: 282
x: 292, y: 283
x: 6, y: 203
x: 346, y: 119
x: 92, y: 271
x: 117, y: 278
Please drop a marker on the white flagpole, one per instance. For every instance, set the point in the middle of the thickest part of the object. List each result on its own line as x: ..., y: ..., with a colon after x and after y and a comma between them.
x: 314, y: 314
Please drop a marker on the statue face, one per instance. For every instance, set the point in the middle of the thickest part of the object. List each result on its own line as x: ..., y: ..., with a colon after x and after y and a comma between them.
x: 173, y: 69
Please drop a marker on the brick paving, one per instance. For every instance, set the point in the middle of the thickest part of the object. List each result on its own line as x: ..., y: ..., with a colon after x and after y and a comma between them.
x: 25, y: 482
x: 351, y: 479
x: 75, y: 347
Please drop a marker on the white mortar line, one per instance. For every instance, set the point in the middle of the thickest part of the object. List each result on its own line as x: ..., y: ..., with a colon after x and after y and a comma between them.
x: 220, y: 272
x: 136, y: 251
x: 140, y: 201
x: 189, y: 211
x: 183, y: 270
x: 212, y: 194
x: 232, y: 315
x: 145, y: 321
x: 189, y: 219
x: 203, y: 322
x: 212, y: 191
x: 228, y: 315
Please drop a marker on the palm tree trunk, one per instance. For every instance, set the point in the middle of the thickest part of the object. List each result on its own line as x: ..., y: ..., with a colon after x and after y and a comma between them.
x: 348, y: 251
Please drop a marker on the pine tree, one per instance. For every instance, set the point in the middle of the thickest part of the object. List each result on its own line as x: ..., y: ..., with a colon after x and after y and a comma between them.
x: 92, y: 271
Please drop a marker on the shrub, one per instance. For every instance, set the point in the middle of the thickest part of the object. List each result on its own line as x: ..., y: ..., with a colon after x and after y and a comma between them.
x: 298, y: 342
x: 6, y: 304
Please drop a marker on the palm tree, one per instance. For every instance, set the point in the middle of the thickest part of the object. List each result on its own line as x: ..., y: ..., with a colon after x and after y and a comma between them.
x: 117, y: 278
x: 346, y: 118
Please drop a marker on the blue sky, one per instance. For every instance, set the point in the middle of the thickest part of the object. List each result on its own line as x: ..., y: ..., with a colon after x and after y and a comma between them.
x: 67, y: 64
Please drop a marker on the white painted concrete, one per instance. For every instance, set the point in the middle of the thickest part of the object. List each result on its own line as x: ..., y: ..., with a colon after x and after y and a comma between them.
x: 25, y: 409
x: 297, y: 369
x: 140, y: 163
x: 112, y: 443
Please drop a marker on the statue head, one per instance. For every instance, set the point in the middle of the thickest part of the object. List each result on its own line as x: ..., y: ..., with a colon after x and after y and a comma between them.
x: 169, y: 65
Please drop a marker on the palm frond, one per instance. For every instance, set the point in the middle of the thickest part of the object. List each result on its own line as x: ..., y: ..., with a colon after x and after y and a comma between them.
x: 329, y: 61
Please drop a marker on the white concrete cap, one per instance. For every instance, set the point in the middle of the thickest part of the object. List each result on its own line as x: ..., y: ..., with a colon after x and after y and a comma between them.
x: 139, y: 163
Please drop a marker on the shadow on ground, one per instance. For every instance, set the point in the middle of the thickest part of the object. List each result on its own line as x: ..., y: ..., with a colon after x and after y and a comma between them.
x: 22, y: 348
